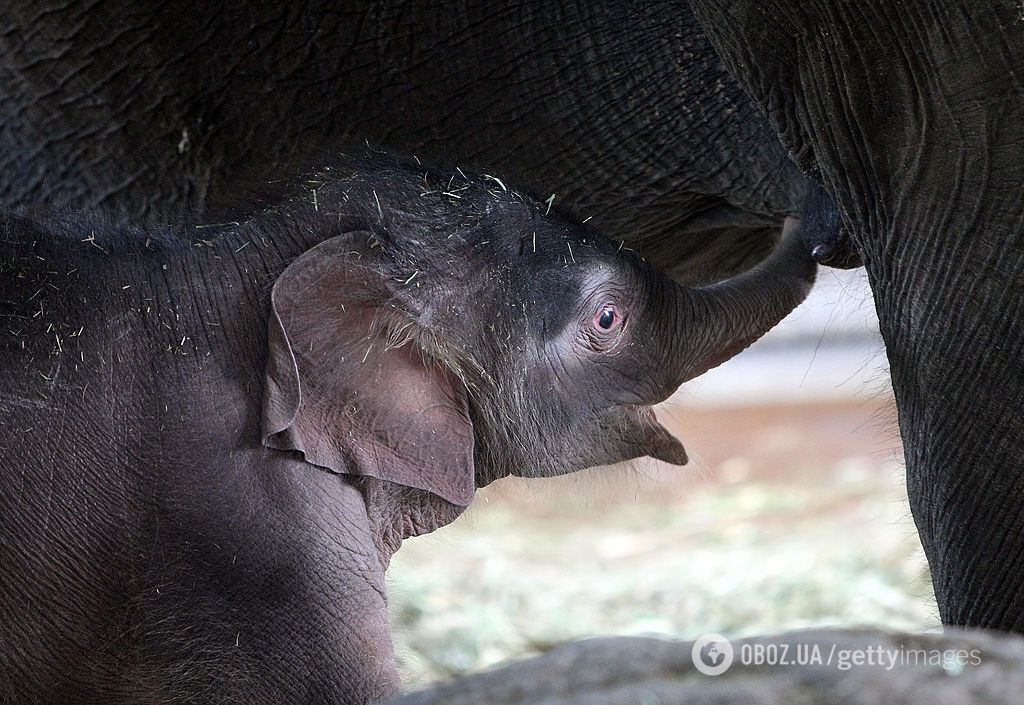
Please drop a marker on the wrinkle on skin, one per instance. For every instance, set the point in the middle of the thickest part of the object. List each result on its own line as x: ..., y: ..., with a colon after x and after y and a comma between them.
x: 267, y: 562
x: 667, y: 152
x: 910, y: 116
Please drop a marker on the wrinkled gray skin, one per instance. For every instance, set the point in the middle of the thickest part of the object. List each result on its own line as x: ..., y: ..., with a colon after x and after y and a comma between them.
x: 215, y: 438
x: 621, y: 109
x: 912, y: 115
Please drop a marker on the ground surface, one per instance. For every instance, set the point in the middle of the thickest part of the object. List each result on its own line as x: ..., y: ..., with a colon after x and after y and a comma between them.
x: 805, y: 667
x: 787, y: 517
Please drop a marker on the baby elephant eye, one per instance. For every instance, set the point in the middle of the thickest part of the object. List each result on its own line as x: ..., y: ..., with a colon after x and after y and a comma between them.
x: 607, y: 317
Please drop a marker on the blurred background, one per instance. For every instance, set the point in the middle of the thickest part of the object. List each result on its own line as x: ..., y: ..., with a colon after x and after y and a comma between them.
x: 792, y: 513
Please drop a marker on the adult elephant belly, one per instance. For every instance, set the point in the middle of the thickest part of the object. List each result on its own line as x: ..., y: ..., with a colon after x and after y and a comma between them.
x: 914, y: 116
x: 621, y: 112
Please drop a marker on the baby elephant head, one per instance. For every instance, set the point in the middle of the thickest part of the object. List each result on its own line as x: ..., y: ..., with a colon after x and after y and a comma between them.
x: 453, y: 338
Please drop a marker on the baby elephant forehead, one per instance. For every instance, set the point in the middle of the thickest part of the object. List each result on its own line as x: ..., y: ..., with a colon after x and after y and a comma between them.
x: 606, y: 268
x: 610, y: 274
x: 570, y: 283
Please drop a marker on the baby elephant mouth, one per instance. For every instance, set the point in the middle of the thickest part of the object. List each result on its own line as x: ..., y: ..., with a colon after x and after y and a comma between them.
x: 654, y: 439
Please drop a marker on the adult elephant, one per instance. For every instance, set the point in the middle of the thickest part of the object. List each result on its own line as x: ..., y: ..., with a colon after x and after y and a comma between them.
x: 912, y: 114
x: 620, y: 109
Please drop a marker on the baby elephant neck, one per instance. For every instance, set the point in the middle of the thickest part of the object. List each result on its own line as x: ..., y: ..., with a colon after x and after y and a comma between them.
x: 398, y: 512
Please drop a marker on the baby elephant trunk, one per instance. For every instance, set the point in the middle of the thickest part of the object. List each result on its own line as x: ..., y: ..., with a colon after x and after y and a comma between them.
x: 723, y: 319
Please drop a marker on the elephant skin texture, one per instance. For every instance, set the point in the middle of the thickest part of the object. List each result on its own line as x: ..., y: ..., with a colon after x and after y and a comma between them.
x: 911, y: 115
x: 856, y: 667
x: 215, y: 437
x: 619, y: 109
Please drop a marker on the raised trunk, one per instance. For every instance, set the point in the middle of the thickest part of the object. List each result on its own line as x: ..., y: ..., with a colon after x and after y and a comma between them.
x: 723, y: 319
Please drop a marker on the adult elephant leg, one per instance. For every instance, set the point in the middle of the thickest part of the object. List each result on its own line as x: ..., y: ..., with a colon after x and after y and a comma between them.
x: 912, y: 115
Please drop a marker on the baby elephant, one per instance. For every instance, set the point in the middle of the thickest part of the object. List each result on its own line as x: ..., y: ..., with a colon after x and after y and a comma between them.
x: 214, y: 440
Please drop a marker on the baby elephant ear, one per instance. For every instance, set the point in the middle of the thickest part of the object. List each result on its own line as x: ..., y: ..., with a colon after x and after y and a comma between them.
x: 337, y: 392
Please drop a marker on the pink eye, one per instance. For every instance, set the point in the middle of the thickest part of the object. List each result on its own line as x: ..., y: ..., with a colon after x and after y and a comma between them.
x: 607, y: 318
